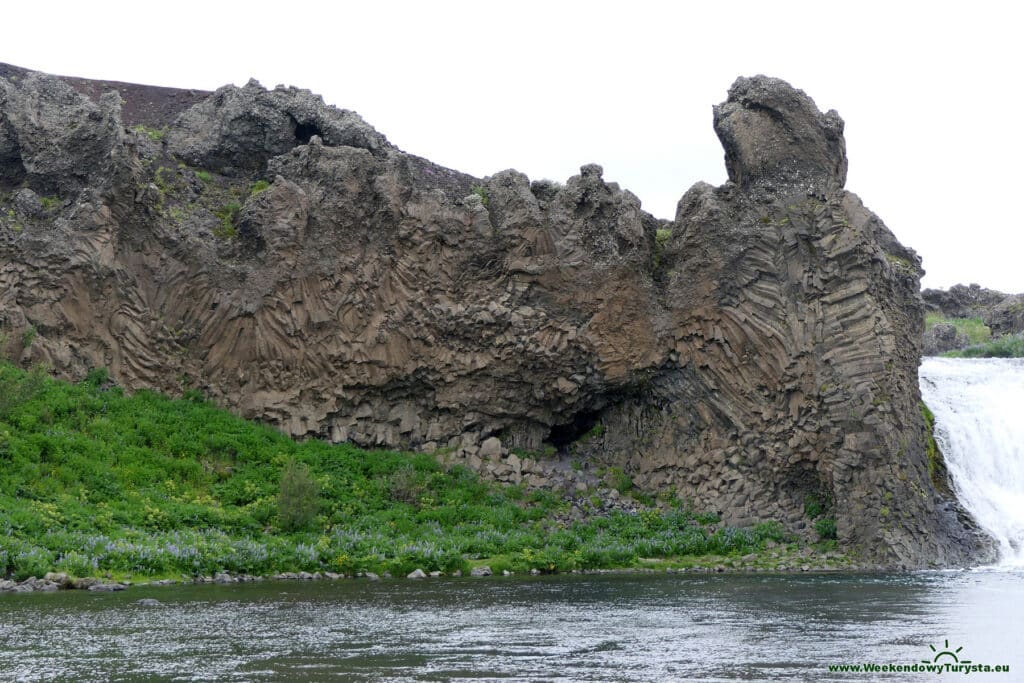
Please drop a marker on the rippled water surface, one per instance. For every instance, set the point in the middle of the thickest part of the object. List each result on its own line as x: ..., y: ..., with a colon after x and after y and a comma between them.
x: 579, y: 628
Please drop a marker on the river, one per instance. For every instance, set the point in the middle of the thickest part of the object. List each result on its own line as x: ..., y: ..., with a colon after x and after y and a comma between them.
x: 715, y: 627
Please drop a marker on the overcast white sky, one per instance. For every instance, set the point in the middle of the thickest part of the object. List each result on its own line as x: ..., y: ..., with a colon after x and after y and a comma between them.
x: 931, y: 92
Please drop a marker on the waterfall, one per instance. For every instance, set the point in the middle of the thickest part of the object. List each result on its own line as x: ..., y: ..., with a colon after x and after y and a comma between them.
x: 979, y: 426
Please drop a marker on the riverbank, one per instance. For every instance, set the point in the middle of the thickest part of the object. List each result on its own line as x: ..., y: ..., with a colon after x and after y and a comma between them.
x: 100, y: 485
x: 800, y: 560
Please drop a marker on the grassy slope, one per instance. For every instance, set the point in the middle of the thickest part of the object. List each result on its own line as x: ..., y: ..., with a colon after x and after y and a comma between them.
x: 974, y: 328
x: 93, y: 482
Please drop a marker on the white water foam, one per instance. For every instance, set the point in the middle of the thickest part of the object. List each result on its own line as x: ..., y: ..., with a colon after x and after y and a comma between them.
x: 979, y: 426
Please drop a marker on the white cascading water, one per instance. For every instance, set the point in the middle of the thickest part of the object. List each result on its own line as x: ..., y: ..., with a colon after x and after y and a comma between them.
x: 979, y: 426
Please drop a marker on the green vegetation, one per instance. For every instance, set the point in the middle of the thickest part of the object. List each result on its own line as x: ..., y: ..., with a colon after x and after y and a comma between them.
x: 154, y: 134
x: 481, y: 192
x: 50, y: 203
x: 228, y: 215
x: 98, y: 483
x: 826, y: 528
x: 258, y: 186
x: 28, y: 336
x: 813, y: 505
x: 975, y: 329
x: 161, y: 181
x: 204, y: 176
x: 16, y: 389
x: 299, y: 500
x: 661, y: 238
x: 548, y: 451
x: 1007, y: 346
x: 619, y: 480
x: 931, y: 448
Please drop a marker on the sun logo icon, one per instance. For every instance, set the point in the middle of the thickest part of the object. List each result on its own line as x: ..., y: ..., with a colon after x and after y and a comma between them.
x: 945, y: 653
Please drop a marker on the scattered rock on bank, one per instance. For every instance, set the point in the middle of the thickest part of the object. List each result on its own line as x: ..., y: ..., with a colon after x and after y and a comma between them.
x: 108, y: 587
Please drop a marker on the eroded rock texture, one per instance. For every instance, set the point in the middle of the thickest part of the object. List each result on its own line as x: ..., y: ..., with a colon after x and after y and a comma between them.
x: 766, y: 353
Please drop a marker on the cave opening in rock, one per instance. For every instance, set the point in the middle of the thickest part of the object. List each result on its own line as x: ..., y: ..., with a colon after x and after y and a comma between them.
x: 304, y: 132
x: 561, y: 435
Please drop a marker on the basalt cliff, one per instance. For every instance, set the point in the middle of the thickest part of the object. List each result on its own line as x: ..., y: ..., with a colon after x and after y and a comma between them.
x: 282, y: 257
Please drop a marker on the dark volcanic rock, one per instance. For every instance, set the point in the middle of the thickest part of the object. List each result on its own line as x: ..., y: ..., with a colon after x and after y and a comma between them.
x: 774, y: 133
x: 237, y: 130
x: 962, y: 301
x: 1002, y: 313
x: 52, y: 138
x: 767, y: 352
x: 942, y: 337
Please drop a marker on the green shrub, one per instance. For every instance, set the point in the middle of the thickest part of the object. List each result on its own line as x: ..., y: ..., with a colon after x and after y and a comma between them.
x: 826, y: 528
x: 161, y: 181
x: 18, y: 388
x: 204, y: 176
x: 228, y: 215
x: 930, y: 446
x: 154, y: 134
x: 481, y: 192
x: 661, y: 238
x: 813, y: 506
x: 405, y: 486
x: 769, y: 531
x: 50, y: 203
x: 618, y: 479
x: 298, y: 501
x: 258, y: 186
x: 97, y: 377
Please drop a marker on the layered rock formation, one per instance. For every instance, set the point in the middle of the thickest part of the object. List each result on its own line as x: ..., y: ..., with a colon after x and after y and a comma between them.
x: 281, y: 256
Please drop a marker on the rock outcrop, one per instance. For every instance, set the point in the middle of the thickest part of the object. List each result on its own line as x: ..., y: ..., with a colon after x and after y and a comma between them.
x: 1002, y: 313
x: 943, y: 337
x: 282, y: 257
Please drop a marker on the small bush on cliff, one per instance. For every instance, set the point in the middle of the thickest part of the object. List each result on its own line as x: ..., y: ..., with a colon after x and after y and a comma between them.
x: 661, y: 238
x: 826, y: 528
x: 154, y: 134
x: 481, y: 192
x: 299, y: 499
x: 619, y: 480
x: 930, y: 446
x: 817, y: 504
x: 228, y: 215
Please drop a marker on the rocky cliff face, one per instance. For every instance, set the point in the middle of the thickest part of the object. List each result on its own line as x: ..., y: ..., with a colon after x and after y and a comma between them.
x: 281, y: 256
x: 1003, y: 313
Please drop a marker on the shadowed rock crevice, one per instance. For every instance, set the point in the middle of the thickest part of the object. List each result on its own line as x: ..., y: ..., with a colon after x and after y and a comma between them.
x: 281, y: 256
